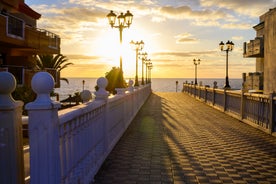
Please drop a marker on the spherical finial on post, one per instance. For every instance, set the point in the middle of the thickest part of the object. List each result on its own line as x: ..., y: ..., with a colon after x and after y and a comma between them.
x: 215, y: 84
x: 130, y: 85
x: 7, y: 86
x: 43, y: 84
x: 86, y: 96
x: 101, y: 94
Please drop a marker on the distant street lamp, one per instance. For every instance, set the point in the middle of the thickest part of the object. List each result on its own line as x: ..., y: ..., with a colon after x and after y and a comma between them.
x: 147, y: 62
x: 150, y: 67
x: 124, y: 21
x: 196, y: 62
x: 143, y: 57
x: 229, y: 47
x: 83, y: 82
x: 137, y: 46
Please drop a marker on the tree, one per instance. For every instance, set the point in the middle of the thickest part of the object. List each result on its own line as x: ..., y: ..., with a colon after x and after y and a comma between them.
x: 115, y: 80
x: 57, y: 62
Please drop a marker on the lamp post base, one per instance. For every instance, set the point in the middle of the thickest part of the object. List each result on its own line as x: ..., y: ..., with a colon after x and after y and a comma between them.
x: 226, y: 85
x: 136, y: 81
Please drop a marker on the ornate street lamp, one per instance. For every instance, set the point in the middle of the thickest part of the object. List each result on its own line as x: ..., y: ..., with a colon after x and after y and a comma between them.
x: 196, y: 62
x: 124, y: 21
x: 143, y: 57
x: 137, y: 46
x: 229, y: 47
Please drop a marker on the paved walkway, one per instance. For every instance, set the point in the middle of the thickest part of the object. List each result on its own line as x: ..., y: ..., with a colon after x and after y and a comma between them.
x: 177, y: 139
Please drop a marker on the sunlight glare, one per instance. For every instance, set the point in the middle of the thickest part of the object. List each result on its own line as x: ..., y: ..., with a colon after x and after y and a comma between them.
x: 107, y: 45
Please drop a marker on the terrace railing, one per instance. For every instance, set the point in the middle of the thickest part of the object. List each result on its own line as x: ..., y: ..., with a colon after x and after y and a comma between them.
x: 257, y: 110
x: 66, y: 146
x: 15, y: 31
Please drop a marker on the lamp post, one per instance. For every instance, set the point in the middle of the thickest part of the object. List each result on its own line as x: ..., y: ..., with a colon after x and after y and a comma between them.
x: 124, y: 21
x: 137, y: 46
x: 196, y: 62
x: 147, y: 62
x: 83, y: 82
x: 143, y: 57
x: 229, y: 47
x: 150, y: 67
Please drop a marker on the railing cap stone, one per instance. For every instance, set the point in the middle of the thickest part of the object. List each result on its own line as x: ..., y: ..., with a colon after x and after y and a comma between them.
x: 42, y: 85
x: 7, y: 86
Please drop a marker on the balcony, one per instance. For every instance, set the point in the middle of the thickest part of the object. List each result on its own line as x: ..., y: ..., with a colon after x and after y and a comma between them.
x: 24, y: 76
x: 255, y: 48
x: 23, y: 39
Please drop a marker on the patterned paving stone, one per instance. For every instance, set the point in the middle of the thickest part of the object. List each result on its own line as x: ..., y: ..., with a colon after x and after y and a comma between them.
x: 177, y: 139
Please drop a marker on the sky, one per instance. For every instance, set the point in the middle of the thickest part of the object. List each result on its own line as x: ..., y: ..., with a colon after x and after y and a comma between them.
x: 174, y: 32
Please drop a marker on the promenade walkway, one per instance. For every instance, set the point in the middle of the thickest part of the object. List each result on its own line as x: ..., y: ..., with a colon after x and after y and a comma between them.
x: 177, y: 139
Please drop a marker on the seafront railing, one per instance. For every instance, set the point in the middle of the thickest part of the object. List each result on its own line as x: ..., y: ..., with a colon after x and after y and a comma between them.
x: 258, y: 110
x: 66, y: 146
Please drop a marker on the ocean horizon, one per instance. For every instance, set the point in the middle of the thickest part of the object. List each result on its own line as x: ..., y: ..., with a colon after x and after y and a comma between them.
x: 157, y: 84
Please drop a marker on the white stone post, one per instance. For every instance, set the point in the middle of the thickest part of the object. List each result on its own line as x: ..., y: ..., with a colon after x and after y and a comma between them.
x: 242, y: 105
x: 271, y: 126
x: 130, y: 86
x: 11, y: 148
x: 101, y: 94
x: 43, y: 132
x: 224, y: 100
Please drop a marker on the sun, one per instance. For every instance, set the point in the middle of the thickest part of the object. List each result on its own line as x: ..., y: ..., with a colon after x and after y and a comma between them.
x: 107, y: 45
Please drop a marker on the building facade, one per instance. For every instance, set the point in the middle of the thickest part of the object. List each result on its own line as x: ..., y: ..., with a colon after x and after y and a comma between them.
x: 21, y: 40
x: 263, y: 48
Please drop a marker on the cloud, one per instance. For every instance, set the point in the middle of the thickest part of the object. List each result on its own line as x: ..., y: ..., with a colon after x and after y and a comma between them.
x: 185, y: 38
x: 204, y: 16
x: 253, y: 8
x: 237, y: 38
x: 185, y: 12
x: 214, y: 23
x: 237, y: 26
x: 158, y: 19
x: 184, y: 54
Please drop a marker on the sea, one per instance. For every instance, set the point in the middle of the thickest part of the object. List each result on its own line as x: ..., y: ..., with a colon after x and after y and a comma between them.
x: 157, y: 84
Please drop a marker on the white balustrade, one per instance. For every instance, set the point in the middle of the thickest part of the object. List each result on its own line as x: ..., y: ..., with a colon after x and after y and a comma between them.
x: 11, y: 149
x: 257, y: 110
x: 66, y: 146
x: 89, y: 132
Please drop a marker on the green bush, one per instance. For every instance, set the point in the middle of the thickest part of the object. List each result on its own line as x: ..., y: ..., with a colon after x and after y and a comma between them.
x: 25, y: 94
x: 115, y: 80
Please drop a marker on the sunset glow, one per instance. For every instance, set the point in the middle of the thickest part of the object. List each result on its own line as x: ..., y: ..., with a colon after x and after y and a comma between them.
x: 174, y: 33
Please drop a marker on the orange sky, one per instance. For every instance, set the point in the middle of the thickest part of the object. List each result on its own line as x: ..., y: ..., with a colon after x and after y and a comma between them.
x: 174, y: 32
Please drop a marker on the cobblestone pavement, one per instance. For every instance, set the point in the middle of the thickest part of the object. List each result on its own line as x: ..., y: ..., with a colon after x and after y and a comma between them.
x: 177, y: 139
